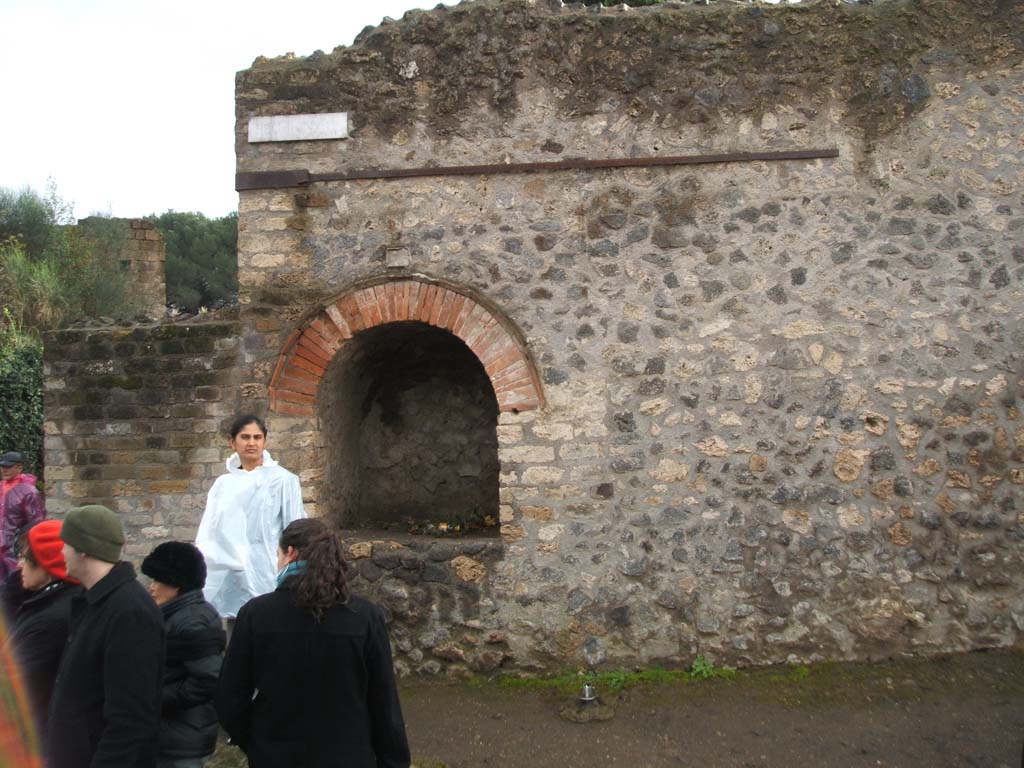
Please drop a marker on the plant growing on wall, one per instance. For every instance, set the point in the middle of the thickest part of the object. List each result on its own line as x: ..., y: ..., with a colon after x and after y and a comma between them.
x: 21, y: 393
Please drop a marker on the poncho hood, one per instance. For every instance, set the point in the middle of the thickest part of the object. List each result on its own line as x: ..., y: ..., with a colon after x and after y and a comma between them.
x: 234, y: 464
x: 26, y: 479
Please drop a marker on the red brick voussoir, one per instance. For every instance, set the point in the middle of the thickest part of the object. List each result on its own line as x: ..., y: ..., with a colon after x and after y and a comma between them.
x: 309, y: 350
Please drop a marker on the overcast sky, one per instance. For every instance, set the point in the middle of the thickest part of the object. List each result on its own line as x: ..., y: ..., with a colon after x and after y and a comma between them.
x: 128, y: 105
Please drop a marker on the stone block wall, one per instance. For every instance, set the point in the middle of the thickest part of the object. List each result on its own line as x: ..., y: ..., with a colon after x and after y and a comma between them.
x: 761, y: 411
x: 135, y: 420
x: 778, y: 408
x: 418, y: 580
x: 138, y: 252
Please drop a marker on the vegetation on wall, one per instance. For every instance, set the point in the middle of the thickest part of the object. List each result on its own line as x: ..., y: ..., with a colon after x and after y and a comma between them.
x: 202, y: 264
x: 21, y: 394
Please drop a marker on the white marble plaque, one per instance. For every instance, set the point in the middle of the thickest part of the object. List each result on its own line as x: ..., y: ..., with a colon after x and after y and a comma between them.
x: 315, y: 127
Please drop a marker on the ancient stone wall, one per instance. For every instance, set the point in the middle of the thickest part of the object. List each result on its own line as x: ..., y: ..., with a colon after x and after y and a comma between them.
x: 137, y: 255
x: 134, y: 420
x: 759, y: 410
x: 778, y: 408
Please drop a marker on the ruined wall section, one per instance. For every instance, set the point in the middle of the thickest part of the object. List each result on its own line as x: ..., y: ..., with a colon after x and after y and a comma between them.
x: 782, y: 413
x: 135, y: 420
x: 137, y: 254
x: 676, y: 67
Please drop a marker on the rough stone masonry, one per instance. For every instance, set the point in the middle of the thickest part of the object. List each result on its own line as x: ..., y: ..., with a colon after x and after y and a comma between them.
x: 760, y: 411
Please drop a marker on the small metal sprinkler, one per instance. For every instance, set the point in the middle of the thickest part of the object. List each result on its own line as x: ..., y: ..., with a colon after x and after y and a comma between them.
x: 587, y: 707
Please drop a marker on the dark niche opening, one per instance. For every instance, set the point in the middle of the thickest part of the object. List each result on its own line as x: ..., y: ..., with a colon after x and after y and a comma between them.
x: 409, y: 424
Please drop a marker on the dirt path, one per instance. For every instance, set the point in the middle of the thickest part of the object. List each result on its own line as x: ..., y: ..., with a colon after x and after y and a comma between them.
x: 959, y: 711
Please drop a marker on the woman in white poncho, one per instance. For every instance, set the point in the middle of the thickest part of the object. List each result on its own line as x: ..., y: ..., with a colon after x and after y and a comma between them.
x: 246, y: 510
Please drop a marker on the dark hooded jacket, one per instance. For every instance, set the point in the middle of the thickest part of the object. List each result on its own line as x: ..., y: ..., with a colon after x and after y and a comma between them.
x: 105, y: 709
x: 37, y: 639
x: 297, y: 693
x: 195, y: 650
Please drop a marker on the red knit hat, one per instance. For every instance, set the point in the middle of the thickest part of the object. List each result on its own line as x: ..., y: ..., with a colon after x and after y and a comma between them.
x: 46, y: 544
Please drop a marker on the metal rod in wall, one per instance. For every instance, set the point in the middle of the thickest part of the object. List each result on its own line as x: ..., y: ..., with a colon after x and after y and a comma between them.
x: 301, y: 178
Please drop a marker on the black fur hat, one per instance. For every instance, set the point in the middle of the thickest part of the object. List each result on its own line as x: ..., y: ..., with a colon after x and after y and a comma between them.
x: 177, y: 564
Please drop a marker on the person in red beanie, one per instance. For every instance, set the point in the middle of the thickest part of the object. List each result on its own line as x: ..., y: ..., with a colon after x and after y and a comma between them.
x: 40, y: 628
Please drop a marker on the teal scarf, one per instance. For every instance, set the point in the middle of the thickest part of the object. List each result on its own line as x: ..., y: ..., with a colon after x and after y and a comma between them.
x: 294, y: 568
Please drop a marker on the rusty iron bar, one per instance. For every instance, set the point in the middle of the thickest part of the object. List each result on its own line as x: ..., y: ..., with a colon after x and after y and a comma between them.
x: 302, y: 178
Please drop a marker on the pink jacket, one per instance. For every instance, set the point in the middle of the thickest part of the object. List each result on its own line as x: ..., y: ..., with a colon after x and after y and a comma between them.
x: 21, y: 505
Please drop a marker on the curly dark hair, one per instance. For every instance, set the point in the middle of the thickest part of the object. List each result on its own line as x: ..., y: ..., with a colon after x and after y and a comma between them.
x: 324, y: 583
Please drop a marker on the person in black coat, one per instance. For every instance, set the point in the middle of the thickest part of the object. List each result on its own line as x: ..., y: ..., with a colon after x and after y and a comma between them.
x: 308, y: 679
x: 195, y: 649
x: 105, y: 710
x: 12, y: 595
x: 40, y: 626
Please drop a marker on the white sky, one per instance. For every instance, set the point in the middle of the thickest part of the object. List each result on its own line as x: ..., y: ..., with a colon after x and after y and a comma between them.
x: 129, y: 104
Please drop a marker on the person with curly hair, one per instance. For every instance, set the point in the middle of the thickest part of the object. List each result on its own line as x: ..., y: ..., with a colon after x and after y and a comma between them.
x: 308, y: 678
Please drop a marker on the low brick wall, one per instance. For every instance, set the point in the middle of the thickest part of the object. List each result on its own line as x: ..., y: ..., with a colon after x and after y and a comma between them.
x: 134, y: 419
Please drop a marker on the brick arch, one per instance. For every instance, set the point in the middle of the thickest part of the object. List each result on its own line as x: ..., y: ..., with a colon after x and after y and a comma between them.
x: 306, y: 355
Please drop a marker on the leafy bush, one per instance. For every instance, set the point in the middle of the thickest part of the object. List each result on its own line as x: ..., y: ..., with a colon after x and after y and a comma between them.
x: 71, y: 279
x: 21, y: 394
x: 52, y: 274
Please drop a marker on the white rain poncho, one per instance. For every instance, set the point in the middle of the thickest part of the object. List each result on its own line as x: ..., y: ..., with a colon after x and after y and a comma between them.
x: 238, y: 535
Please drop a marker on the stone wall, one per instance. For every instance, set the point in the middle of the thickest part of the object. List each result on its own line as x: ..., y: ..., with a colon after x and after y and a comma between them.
x: 134, y: 420
x: 761, y: 411
x: 781, y: 414
x: 438, y: 599
x: 137, y: 253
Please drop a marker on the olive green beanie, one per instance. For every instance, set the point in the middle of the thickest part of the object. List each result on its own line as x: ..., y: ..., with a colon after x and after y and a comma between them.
x: 95, y: 531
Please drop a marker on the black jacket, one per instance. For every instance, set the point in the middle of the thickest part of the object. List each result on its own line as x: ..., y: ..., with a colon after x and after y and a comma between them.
x: 37, y: 639
x: 297, y: 693
x: 12, y: 595
x: 105, y: 710
x: 195, y: 649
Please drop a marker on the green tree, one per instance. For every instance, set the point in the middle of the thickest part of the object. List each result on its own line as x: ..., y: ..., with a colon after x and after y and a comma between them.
x: 32, y: 219
x: 202, y: 258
